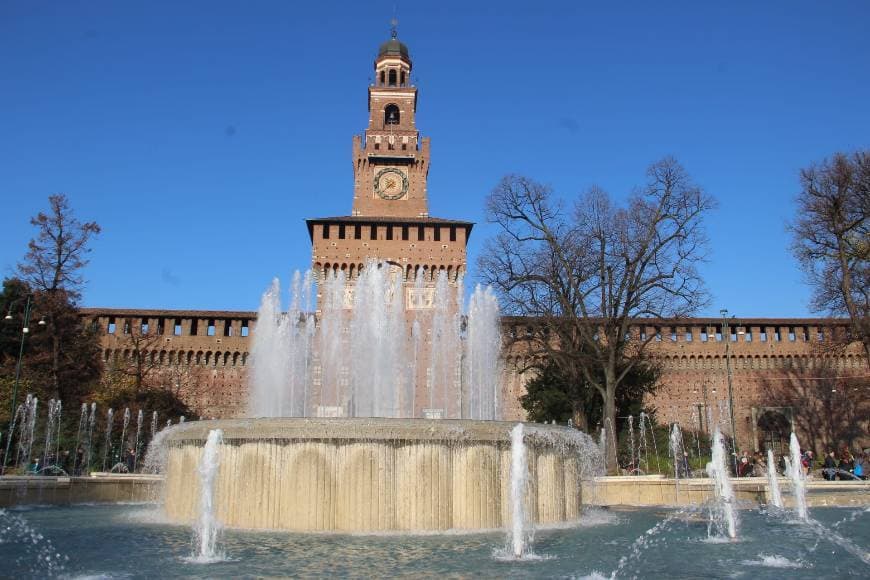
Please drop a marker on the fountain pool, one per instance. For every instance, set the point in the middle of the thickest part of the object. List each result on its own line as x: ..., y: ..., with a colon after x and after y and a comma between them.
x: 369, y: 475
x: 133, y: 541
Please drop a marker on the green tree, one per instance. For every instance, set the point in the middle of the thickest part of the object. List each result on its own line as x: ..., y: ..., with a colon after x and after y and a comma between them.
x: 551, y: 396
x: 67, y: 373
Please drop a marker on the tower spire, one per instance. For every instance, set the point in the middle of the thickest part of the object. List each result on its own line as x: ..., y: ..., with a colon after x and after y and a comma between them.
x: 394, y: 26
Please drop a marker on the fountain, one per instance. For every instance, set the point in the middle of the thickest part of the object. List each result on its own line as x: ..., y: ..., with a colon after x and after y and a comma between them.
x: 368, y: 423
x: 723, y: 511
x: 376, y: 474
x: 364, y: 353
x: 772, y: 481
x: 794, y: 471
x: 207, y: 528
x: 107, y: 443
x: 519, y: 483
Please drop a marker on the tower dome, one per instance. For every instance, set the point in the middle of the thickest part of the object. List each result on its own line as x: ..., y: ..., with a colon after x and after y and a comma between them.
x: 394, y: 47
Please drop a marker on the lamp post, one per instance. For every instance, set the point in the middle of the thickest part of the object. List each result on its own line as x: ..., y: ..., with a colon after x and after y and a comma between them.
x: 25, y: 330
x: 726, y: 336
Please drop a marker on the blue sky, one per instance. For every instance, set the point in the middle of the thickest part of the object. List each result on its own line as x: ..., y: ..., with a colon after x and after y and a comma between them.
x: 200, y: 135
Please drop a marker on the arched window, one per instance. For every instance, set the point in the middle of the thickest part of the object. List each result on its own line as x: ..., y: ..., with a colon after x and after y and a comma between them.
x: 391, y: 115
x: 383, y: 75
x: 402, y: 79
x: 392, y: 77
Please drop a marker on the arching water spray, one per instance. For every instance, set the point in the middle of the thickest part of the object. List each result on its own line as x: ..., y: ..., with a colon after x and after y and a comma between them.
x: 794, y: 471
x: 519, y: 481
x: 206, y: 530
x: 110, y: 419
x: 89, y: 440
x: 723, y: 512
x: 772, y: 481
x: 136, y: 449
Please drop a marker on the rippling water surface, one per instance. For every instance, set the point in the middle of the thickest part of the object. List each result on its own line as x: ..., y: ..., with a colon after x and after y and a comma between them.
x: 132, y: 541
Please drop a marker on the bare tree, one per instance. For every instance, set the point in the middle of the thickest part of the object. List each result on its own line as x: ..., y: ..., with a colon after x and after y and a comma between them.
x: 56, y: 256
x: 831, y: 239
x: 586, y: 276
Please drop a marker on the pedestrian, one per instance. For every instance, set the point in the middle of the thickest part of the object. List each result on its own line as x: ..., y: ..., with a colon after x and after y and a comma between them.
x: 744, y: 469
x: 847, y: 465
x: 830, y: 470
x: 80, y: 462
x: 131, y: 460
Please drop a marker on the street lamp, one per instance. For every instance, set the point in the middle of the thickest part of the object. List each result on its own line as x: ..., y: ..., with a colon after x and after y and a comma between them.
x: 25, y: 330
x: 726, y: 336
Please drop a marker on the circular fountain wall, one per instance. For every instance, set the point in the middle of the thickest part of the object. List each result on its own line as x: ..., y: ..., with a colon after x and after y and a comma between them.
x: 310, y: 474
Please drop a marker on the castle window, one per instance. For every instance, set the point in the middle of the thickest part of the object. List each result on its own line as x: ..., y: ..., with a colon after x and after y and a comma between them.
x: 437, y: 233
x: 245, y: 329
x: 452, y: 233
x: 161, y: 326
x: 228, y: 328
x: 194, y: 327
x: 176, y: 328
x: 392, y: 77
x: 210, y: 331
x: 389, y: 232
x: 341, y: 232
x: 126, y: 326
x: 420, y: 234
x: 762, y: 336
x: 404, y: 233
x: 143, y: 327
x: 391, y: 115
x: 357, y: 232
x: 111, y: 327
x: 374, y: 233
x: 326, y: 231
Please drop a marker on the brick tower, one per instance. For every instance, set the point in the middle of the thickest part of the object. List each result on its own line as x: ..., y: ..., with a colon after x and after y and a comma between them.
x: 390, y: 219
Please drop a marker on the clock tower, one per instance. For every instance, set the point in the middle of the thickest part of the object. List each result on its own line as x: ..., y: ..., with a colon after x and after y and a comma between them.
x: 391, y: 161
x: 390, y: 222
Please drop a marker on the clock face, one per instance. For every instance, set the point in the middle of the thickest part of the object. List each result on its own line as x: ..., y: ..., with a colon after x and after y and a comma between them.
x: 391, y: 183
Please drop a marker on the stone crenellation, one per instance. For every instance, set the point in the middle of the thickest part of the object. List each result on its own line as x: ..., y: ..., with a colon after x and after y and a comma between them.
x: 691, y: 352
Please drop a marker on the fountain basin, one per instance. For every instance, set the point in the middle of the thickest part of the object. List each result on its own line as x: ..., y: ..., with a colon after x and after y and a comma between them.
x: 339, y: 474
